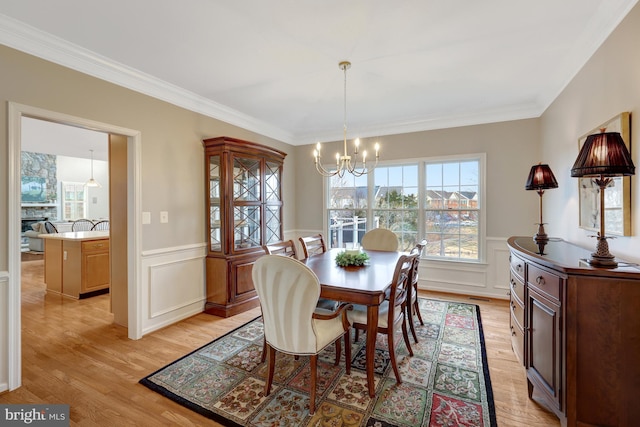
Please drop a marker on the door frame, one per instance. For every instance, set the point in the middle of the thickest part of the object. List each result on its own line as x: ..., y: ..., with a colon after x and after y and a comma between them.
x: 134, y: 310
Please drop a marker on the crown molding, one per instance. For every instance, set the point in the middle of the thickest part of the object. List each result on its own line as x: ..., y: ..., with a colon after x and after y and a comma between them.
x: 25, y: 38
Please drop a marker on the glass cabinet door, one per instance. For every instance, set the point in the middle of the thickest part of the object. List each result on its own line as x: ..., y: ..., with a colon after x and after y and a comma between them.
x: 215, y: 219
x: 247, y: 188
x: 273, y: 208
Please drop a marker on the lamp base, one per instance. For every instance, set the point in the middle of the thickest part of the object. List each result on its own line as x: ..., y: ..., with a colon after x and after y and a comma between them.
x: 601, y: 257
x: 541, y: 235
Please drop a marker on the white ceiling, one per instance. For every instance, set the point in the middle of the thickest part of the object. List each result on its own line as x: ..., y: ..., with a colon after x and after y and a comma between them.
x: 272, y: 66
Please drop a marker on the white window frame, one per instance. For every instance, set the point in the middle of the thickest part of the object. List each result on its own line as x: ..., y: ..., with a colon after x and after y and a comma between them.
x: 482, y: 160
x: 64, y: 200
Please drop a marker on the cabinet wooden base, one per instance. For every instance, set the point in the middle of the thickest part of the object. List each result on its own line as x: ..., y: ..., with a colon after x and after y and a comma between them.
x: 231, y: 310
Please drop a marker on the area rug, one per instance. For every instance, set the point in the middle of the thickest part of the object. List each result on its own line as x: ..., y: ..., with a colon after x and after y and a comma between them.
x: 445, y: 383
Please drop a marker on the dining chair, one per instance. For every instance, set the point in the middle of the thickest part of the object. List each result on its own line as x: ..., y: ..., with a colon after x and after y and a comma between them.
x: 313, y: 245
x: 288, y: 292
x: 102, y: 225
x: 50, y: 227
x: 286, y: 248
x: 391, y: 313
x: 413, y: 307
x: 82, y: 225
x: 380, y: 239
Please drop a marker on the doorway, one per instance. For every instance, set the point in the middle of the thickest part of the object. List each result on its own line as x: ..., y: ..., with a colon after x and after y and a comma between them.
x: 127, y: 293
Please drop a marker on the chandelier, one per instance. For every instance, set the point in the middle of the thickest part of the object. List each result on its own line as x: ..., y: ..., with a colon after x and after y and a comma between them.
x: 346, y: 163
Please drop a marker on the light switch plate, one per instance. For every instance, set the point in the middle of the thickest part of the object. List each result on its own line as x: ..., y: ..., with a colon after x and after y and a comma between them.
x: 164, y: 217
x: 146, y: 217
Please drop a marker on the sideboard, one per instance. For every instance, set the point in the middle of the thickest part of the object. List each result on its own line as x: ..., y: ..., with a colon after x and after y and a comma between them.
x: 576, y: 329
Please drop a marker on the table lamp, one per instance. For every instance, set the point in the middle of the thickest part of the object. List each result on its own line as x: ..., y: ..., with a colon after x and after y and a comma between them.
x: 541, y: 178
x: 603, y: 155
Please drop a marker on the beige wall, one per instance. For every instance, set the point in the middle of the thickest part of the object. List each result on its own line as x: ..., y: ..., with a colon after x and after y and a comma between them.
x: 172, y: 154
x: 511, y: 149
x: 607, y: 85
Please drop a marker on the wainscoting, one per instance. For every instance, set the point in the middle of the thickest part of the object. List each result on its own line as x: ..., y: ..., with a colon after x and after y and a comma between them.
x: 173, y: 285
x: 489, y: 279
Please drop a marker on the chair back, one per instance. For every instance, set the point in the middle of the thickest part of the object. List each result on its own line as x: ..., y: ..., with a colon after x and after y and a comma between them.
x: 288, y: 291
x: 380, y: 239
x: 313, y: 245
x: 417, y: 250
x: 101, y: 225
x: 82, y: 225
x: 400, y: 284
x: 286, y: 248
x: 50, y: 227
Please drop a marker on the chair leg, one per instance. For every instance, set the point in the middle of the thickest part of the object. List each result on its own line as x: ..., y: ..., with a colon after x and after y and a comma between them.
x: 409, y: 312
x: 338, y: 351
x: 270, y: 369
x: 405, y: 335
x: 264, y: 350
x: 347, y: 351
x: 417, y: 310
x: 312, y: 392
x: 392, y: 354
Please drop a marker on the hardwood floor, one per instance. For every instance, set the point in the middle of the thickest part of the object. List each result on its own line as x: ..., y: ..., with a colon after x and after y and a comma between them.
x: 72, y: 353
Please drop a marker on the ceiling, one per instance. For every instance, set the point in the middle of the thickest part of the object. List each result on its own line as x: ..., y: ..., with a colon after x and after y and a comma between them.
x: 272, y: 66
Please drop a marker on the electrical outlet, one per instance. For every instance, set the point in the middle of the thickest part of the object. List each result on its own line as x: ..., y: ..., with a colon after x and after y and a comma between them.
x: 64, y: 255
x: 164, y: 217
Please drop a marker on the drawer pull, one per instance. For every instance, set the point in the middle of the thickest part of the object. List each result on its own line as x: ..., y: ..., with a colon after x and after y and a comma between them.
x: 540, y: 280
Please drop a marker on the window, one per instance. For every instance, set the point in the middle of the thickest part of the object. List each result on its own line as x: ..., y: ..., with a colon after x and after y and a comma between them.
x: 437, y: 199
x: 452, y: 209
x: 73, y: 201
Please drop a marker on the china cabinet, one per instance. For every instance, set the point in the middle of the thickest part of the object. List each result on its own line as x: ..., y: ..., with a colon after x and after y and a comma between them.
x: 576, y: 329
x: 244, y: 212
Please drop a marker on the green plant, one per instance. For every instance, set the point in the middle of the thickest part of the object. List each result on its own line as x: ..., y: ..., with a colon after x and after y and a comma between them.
x: 344, y: 259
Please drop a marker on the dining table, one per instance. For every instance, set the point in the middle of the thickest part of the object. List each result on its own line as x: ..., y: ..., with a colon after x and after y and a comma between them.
x: 366, y: 285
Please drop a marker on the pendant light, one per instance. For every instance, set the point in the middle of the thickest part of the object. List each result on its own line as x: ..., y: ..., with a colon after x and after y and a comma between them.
x: 92, y: 182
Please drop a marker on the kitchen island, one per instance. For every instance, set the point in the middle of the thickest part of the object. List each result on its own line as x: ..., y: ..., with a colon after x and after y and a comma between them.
x: 76, y: 264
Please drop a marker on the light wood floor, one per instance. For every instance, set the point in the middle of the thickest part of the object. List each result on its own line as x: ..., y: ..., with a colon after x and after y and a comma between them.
x: 73, y: 354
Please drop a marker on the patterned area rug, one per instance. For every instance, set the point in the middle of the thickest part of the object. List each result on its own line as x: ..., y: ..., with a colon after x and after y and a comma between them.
x: 445, y: 383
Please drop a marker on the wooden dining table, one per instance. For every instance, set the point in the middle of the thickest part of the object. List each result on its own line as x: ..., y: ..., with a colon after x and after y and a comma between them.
x: 366, y: 285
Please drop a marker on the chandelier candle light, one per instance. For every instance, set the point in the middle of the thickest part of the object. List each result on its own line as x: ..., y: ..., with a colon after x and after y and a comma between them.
x: 603, y: 155
x: 344, y: 162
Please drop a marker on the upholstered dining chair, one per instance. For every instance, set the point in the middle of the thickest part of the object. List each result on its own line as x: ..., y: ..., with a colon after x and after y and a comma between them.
x: 313, y: 245
x: 102, y: 225
x: 82, y: 225
x: 413, y: 307
x: 286, y: 248
x: 380, y: 239
x: 288, y: 291
x: 391, y: 313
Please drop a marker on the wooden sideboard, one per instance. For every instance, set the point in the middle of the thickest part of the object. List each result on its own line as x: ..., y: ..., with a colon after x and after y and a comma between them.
x: 576, y: 329
x: 76, y: 264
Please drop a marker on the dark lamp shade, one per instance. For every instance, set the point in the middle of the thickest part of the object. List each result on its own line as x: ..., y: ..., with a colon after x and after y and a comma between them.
x: 541, y: 178
x: 603, y: 154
